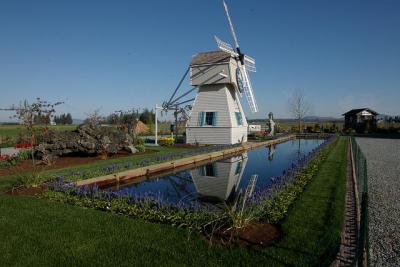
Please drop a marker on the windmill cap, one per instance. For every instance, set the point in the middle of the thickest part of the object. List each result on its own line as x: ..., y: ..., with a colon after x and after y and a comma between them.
x: 211, y: 57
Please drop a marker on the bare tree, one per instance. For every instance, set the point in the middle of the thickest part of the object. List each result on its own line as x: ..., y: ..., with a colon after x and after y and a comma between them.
x: 299, y: 107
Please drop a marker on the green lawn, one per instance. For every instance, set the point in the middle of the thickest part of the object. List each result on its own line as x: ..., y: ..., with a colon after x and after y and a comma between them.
x: 37, y: 232
x: 9, y: 133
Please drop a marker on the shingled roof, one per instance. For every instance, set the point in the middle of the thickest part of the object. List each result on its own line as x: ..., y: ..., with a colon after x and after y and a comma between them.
x: 212, y: 57
x: 358, y: 110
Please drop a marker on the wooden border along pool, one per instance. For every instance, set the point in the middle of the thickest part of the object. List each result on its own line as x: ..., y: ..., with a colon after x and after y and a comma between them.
x: 126, y: 176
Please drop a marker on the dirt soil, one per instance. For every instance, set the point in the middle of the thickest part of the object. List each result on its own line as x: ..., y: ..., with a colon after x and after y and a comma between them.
x: 27, y: 191
x: 253, y: 235
x: 26, y: 165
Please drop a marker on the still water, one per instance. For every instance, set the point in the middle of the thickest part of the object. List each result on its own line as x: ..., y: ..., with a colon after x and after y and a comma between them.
x: 221, y: 180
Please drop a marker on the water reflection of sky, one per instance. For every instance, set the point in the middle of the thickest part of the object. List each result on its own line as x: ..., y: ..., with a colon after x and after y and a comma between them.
x: 282, y: 158
x: 222, y: 179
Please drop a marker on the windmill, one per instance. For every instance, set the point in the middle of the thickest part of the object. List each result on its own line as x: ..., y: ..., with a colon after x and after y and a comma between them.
x: 221, y: 76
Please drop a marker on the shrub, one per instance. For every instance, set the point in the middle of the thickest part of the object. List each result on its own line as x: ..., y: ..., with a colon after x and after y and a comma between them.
x: 166, y: 141
x: 141, y: 148
x: 24, y: 154
x: 31, y: 179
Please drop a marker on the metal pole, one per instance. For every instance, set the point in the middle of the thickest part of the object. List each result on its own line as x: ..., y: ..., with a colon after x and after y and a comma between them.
x: 176, y: 124
x: 156, y: 128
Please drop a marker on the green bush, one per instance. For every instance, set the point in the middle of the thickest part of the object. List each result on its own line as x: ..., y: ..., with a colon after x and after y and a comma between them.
x: 25, y: 154
x: 31, y: 179
x: 140, y: 141
x: 141, y: 148
x: 166, y: 141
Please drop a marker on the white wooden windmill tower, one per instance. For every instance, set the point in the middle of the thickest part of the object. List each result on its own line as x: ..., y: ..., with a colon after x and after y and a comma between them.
x: 221, y: 76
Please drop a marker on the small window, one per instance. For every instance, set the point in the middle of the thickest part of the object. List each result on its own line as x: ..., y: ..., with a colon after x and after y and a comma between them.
x: 208, y: 170
x: 239, y: 119
x: 207, y: 119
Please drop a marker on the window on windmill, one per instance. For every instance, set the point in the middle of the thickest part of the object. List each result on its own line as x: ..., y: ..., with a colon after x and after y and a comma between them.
x: 239, y: 119
x: 210, y: 119
x: 209, y: 170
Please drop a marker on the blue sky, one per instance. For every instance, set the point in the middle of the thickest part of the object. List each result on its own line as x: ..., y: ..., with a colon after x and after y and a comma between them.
x: 122, y: 54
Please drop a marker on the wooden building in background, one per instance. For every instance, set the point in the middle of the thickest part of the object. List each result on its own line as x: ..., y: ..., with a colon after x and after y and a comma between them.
x: 361, y: 120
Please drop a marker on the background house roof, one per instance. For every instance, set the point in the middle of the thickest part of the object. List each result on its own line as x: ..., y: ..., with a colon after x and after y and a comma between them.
x: 358, y: 110
x: 212, y: 57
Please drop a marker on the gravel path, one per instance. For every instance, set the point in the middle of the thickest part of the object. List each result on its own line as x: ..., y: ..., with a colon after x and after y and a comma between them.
x: 383, y: 159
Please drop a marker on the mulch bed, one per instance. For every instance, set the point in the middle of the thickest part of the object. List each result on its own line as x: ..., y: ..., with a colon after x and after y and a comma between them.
x: 256, y: 234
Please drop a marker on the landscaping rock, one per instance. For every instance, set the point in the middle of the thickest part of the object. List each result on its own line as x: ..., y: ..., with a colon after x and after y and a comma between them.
x: 86, y: 140
x: 132, y: 149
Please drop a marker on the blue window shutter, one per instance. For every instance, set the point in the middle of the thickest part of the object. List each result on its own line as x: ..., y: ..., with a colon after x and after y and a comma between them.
x: 200, y: 120
x: 214, y: 119
x: 215, y: 169
x: 201, y: 171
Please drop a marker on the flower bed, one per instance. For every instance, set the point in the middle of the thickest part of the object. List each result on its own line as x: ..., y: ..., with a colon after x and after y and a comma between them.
x: 23, y: 145
x: 269, y: 204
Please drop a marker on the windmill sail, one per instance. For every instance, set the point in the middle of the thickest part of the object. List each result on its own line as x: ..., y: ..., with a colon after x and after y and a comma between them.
x: 248, y: 91
x: 250, y: 63
x: 225, y: 46
x: 230, y: 24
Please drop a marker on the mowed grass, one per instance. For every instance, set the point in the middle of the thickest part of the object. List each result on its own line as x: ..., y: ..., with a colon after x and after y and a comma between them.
x: 14, y: 130
x: 314, y: 223
x: 9, y: 134
x: 37, y: 232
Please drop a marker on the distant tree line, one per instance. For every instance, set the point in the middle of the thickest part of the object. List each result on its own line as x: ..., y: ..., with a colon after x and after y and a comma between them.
x: 41, y: 119
x: 63, y: 119
x: 390, y: 119
x: 146, y: 116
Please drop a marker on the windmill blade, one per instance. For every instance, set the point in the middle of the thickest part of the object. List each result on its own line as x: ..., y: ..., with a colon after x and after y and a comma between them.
x: 248, y: 91
x: 225, y: 46
x: 250, y: 63
x: 230, y: 24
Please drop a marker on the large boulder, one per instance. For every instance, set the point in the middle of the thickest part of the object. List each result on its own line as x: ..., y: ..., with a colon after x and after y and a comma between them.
x: 85, y: 140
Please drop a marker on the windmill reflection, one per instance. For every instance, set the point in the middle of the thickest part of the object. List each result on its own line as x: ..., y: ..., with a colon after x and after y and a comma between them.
x: 271, y: 151
x: 219, y: 181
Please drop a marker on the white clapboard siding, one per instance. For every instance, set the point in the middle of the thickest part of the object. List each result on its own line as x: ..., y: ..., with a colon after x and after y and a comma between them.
x: 219, y: 98
x: 225, y: 181
x: 210, y: 74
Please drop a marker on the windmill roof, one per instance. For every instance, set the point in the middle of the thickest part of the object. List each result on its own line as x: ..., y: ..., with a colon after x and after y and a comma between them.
x: 358, y: 110
x: 212, y: 57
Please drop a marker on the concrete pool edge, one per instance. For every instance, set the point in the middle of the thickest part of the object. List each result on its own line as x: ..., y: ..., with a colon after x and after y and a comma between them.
x: 182, y: 162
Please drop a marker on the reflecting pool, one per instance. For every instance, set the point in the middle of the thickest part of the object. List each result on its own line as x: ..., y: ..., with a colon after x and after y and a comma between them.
x: 222, y: 180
